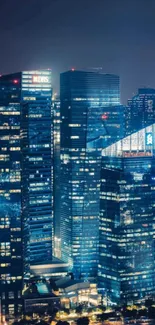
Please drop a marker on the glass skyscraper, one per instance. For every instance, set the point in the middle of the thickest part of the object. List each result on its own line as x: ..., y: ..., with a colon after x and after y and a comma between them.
x: 127, y: 223
x: 10, y: 210
x: 83, y: 96
x: 140, y: 111
x: 26, y: 178
x: 56, y: 166
x: 37, y: 169
x: 113, y: 118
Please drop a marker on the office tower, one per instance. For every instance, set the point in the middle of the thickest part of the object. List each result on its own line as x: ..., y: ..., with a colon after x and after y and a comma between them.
x: 10, y: 210
x: 114, y: 121
x: 56, y: 166
x: 28, y: 94
x: 127, y: 225
x: 140, y: 111
x: 83, y: 96
x: 37, y: 169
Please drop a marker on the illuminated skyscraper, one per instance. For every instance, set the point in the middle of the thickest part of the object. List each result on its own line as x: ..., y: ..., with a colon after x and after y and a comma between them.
x: 10, y: 210
x: 140, y: 111
x: 114, y: 122
x: 56, y: 166
x: 26, y: 179
x: 83, y: 96
x: 37, y: 169
x: 127, y: 224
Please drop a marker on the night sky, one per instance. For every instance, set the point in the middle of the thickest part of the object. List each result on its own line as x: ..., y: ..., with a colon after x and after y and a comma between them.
x: 117, y: 35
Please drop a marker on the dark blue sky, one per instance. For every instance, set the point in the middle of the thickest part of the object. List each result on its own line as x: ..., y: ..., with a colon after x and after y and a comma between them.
x: 117, y: 35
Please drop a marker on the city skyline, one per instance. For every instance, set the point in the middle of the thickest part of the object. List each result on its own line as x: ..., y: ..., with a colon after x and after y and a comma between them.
x: 77, y: 162
x: 111, y: 34
x: 83, y: 166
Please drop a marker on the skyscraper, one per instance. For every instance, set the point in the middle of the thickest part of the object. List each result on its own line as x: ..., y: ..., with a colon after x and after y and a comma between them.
x: 37, y: 169
x: 26, y: 113
x: 56, y: 166
x: 127, y: 226
x: 83, y: 96
x: 114, y: 122
x: 140, y: 111
x: 10, y: 210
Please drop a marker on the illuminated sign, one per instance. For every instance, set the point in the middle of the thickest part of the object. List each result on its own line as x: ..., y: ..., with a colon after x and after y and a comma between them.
x: 40, y: 79
x: 149, y: 139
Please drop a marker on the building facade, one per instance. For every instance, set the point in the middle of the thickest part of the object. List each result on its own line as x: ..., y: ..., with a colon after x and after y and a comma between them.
x: 140, y: 111
x: 127, y: 225
x: 56, y: 170
x: 83, y: 96
x: 27, y: 186
x: 37, y: 167
x: 10, y: 205
x: 113, y: 118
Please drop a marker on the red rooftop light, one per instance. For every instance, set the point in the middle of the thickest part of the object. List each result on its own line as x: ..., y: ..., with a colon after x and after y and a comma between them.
x: 15, y: 81
x: 104, y: 117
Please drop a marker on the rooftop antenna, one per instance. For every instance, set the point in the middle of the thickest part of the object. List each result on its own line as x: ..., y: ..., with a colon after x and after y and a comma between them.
x: 99, y: 69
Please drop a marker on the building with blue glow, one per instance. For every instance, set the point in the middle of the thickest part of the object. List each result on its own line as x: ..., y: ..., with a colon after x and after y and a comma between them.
x: 37, y: 167
x: 140, y: 111
x: 26, y: 179
x: 83, y: 96
x: 10, y: 210
x: 56, y: 170
x: 113, y: 118
x: 127, y: 224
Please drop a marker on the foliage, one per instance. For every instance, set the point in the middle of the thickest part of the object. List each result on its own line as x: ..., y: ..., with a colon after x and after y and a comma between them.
x: 62, y: 323
x: 83, y: 321
x: 79, y: 309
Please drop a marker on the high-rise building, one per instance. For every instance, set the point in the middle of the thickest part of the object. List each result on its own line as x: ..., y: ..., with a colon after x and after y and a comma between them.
x: 27, y: 169
x: 56, y: 169
x: 83, y: 96
x: 127, y: 225
x: 140, y: 111
x: 10, y: 210
x: 113, y: 118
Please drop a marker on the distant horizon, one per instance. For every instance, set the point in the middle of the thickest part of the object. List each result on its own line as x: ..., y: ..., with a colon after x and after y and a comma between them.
x: 56, y: 77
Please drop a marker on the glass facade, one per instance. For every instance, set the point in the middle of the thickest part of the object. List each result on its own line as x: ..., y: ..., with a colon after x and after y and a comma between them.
x: 140, y: 111
x: 127, y: 225
x: 113, y: 118
x: 37, y: 167
x: 83, y: 96
x: 26, y: 174
x: 56, y: 138
x: 10, y: 210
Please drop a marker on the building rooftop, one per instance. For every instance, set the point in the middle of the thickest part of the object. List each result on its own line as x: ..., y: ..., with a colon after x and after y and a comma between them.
x: 138, y: 144
x: 54, y: 261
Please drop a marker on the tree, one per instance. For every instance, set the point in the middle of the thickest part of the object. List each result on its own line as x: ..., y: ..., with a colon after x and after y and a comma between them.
x: 62, y: 323
x: 79, y: 309
x: 105, y: 316
x: 83, y: 321
x: 42, y: 322
x: 23, y: 321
